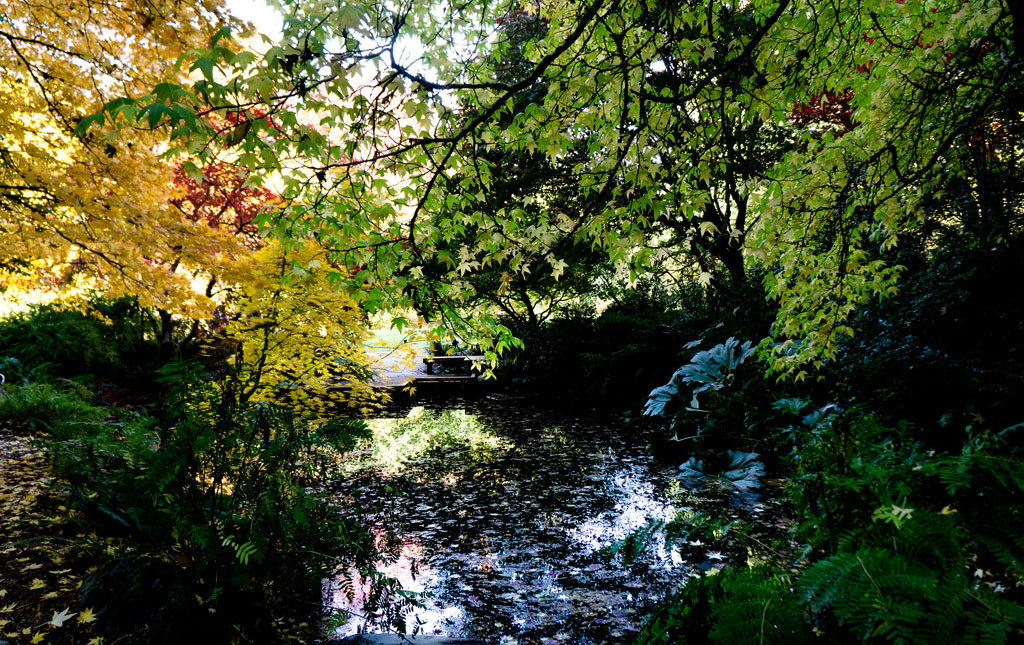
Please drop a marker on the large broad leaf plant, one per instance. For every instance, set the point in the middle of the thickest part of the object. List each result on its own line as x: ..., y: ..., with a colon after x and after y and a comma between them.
x: 708, y: 370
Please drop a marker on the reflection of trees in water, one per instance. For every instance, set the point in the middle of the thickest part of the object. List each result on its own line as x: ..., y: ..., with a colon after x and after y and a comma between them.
x: 503, y: 502
x: 424, y: 434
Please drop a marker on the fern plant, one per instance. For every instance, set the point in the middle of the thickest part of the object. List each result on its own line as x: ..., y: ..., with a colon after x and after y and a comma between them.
x: 909, y: 585
x: 233, y: 488
x: 735, y: 606
x: 907, y: 545
x: 58, y: 408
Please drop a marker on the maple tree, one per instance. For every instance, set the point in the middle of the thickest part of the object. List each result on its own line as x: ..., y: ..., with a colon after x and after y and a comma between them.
x: 527, y: 189
x: 683, y: 113
x: 221, y: 199
x: 297, y: 334
x: 92, y: 212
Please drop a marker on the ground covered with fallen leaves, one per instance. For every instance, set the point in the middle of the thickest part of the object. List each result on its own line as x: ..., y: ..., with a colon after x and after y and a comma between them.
x: 43, y: 553
x: 512, y: 523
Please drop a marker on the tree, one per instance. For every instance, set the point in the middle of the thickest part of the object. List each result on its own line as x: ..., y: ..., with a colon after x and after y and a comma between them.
x: 684, y: 112
x: 91, y: 211
x: 921, y: 78
x: 296, y: 335
x: 527, y: 190
x: 221, y: 199
x: 100, y: 210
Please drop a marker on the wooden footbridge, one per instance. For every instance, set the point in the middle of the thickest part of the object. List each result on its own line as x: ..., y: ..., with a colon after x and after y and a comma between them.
x: 439, y: 369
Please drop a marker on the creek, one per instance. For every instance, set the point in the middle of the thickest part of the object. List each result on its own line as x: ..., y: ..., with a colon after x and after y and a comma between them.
x: 504, y: 520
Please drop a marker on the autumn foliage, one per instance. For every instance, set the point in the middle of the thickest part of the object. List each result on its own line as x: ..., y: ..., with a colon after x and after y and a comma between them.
x: 92, y: 212
x: 221, y: 199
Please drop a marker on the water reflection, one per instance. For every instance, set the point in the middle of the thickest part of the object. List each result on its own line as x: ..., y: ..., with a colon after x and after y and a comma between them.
x: 636, y: 504
x: 504, y: 514
x: 398, y: 441
x: 429, y: 616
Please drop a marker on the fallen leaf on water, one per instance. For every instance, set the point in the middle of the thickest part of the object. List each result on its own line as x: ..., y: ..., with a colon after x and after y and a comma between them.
x: 61, y: 617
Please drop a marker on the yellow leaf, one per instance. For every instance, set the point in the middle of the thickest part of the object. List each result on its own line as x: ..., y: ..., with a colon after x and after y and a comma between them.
x: 87, y: 615
x: 96, y: 641
x: 707, y: 229
x: 946, y: 510
x: 37, y: 638
x: 37, y: 584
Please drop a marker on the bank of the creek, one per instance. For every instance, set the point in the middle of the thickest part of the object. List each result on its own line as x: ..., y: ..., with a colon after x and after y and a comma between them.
x: 505, y: 514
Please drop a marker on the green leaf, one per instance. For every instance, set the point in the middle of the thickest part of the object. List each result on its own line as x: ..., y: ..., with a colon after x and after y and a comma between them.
x: 193, y: 171
x: 222, y: 33
x: 154, y: 112
x: 87, y: 122
x: 206, y: 65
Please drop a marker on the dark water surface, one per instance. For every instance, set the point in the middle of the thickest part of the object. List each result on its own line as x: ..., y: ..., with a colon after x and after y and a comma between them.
x: 503, y: 512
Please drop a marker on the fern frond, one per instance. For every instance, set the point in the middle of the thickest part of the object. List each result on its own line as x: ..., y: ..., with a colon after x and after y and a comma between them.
x: 758, y: 607
x: 876, y: 592
x: 1006, y: 544
x: 992, y: 619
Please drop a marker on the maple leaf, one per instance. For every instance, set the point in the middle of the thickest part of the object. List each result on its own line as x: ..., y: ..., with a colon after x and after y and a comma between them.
x: 37, y: 638
x: 61, y: 617
x: 37, y: 584
x: 87, y: 615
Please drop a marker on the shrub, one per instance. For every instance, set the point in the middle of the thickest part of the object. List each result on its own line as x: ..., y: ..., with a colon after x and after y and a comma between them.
x: 717, y: 400
x: 908, y: 545
x: 948, y: 349
x: 68, y: 341
x: 42, y: 407
x: 220, y: 495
